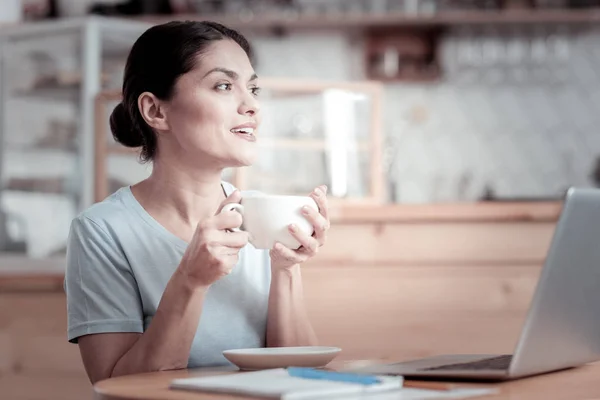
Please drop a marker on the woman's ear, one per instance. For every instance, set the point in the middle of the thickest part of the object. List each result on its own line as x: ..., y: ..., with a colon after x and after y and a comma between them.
x: 152, y: 110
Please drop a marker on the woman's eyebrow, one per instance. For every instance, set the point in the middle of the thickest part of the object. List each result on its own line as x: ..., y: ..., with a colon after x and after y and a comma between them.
x: 231, y: 74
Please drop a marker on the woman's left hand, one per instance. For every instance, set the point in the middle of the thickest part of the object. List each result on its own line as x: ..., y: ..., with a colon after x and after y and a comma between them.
x: 283, y: 257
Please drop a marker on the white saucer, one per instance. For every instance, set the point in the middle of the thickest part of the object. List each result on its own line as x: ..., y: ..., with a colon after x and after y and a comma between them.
x: 281, y: 357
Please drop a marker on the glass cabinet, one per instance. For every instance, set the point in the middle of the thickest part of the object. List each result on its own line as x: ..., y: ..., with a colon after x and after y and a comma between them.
x: 50, y: 73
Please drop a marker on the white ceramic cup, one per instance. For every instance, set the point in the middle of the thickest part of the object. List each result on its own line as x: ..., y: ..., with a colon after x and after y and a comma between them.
x: 267, y: 218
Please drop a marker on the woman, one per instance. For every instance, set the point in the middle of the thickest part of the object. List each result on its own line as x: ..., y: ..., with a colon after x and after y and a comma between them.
x: 156, y: 279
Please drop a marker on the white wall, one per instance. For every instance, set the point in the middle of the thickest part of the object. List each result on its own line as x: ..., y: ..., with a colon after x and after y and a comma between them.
x: 522, y: 118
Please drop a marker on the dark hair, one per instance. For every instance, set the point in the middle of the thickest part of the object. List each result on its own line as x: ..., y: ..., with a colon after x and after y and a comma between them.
x: 158, y: 57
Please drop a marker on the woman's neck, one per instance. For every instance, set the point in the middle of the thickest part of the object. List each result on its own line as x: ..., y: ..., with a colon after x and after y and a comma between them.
x: 175, y: 193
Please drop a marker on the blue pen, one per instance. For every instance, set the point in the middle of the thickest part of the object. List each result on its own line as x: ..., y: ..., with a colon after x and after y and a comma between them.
x: 311, y: 373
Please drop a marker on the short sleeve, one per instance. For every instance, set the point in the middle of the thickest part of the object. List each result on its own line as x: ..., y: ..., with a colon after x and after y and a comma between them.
x: 102, y: 293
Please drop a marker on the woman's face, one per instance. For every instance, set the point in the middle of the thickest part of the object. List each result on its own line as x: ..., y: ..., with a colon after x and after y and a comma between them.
x: 213, y: 115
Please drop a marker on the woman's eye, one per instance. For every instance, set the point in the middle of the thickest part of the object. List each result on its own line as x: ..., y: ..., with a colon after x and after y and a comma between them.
x: 224, y: 86
x: 255, y: 91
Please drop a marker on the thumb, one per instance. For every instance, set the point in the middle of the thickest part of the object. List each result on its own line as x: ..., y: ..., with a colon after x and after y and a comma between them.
x: 234, y: 197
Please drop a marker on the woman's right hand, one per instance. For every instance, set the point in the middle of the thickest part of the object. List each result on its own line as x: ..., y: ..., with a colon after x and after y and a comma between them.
x: 214, y: 248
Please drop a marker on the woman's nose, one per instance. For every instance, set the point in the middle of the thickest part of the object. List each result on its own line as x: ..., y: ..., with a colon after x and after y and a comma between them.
x: 249, y: 105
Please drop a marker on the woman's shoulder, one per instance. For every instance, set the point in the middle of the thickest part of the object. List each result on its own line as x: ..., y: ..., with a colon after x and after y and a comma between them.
x: 116, y: 209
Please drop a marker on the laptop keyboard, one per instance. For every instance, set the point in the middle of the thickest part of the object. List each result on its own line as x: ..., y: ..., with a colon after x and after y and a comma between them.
x: 500, y: 362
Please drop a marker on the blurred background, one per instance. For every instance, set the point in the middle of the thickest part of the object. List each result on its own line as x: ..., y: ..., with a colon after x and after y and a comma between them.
x: 403, y: 101
x: 392, y: 103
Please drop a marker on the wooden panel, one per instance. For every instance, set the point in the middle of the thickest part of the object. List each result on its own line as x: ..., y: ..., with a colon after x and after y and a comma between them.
x: 51, y: 353
x: 408, y: 336
x: 378, y: 290
x: 36, y: 360
x: 391, y: 291
x: 451, y: 243
x: 45, y: 310
x: 354, y: 307
x: 7, y: 358
x: 404, y: 312
x: 45, y: 386
x: 36, y: 324
x: 447, y: 212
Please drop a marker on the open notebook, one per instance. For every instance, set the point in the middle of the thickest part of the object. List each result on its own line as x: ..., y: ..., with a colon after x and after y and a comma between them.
x: 278, y: 384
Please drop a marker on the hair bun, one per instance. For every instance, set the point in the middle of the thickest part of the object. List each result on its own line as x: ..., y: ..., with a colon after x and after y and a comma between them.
x: 123, y: 129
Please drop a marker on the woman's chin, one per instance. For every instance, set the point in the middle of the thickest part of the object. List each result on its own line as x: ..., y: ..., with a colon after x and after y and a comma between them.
x: 243, y: 160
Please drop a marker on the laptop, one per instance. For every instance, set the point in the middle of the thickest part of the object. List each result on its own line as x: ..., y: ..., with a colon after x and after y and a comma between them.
x: 562, y: 327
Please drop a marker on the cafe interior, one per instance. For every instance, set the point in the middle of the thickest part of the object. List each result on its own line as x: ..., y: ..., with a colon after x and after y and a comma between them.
x: 448, y: 132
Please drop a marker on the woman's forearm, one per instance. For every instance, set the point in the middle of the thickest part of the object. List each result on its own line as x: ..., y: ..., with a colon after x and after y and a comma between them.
x: 167, y: 342
x: 287, y: 321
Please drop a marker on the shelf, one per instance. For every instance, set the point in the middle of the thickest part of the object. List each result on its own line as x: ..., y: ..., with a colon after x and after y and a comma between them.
x: 37, y: 149
x: 392, y: 19
x: 50, y: 93
x: 39, y: 164
x: 40, y: 193
x: 49, y: 185
x: 118, y: 27
x: 13, y: 265
x: 54, y: 154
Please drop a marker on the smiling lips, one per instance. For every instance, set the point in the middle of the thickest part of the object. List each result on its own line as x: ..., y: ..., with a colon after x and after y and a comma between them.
x: 245, y: 132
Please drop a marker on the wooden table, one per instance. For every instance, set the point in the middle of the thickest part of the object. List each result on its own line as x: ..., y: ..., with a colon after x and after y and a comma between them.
x: 581, y: 383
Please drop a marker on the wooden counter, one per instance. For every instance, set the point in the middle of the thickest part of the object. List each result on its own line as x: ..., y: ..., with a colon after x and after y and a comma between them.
x: 20, y: 273
x: 449, y: 212
x: 390, y: 283
x: 15, y: 268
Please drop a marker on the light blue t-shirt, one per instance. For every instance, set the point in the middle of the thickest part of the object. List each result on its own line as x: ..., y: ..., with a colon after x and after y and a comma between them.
x: 119, y: 261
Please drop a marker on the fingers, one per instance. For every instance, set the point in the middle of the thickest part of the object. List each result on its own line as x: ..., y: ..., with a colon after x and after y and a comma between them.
x: 228, y: 259
x: 280, y: 252
x: 227, y: 220
x: 218, y: 230
x: 234, y: 197
x: 309, y: 244
x: 320, y: 224
x: 319, y: 195
x: 233, y: 240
